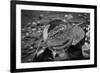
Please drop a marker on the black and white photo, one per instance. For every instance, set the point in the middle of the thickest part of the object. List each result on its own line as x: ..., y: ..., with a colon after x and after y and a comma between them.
x: 50, y: 36
x: 54, y: 36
